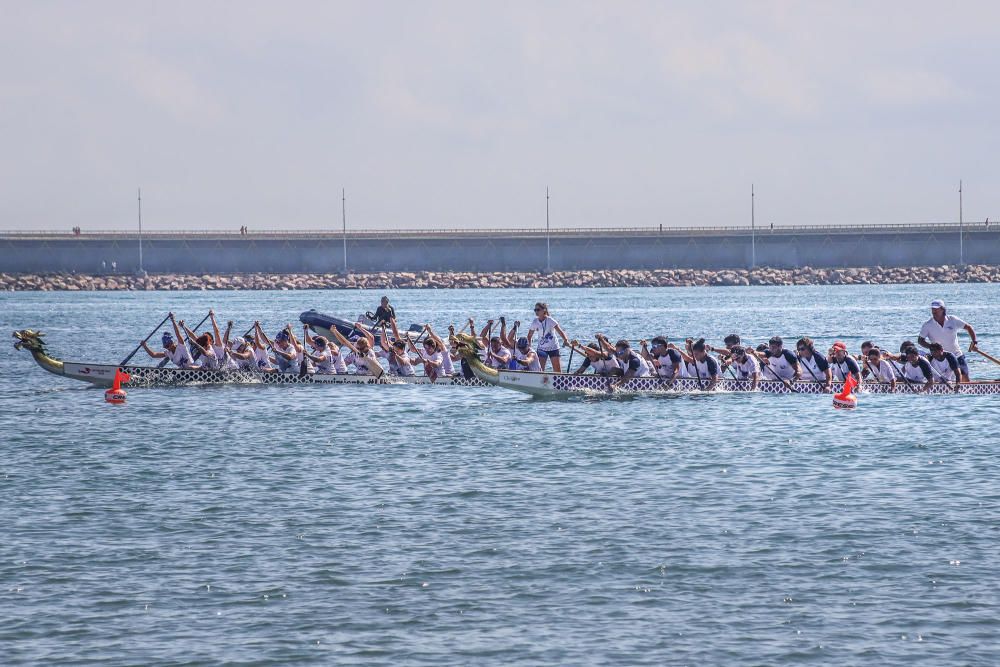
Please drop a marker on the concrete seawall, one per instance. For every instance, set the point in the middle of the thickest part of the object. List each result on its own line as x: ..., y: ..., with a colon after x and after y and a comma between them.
x: 501, y: 250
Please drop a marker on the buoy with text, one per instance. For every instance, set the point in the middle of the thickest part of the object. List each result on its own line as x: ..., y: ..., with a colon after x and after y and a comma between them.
x: 116, y: 394
x: 846, y: 398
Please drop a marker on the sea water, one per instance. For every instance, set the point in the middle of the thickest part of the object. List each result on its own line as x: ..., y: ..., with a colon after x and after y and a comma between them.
x: 404, y: 525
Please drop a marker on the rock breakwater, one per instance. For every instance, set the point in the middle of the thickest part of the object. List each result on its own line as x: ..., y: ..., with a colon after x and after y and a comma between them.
x: 463, y: 280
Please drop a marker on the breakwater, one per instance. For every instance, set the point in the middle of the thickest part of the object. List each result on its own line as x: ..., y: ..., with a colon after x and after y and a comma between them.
x: 512, y: 250
x: 493, y: 280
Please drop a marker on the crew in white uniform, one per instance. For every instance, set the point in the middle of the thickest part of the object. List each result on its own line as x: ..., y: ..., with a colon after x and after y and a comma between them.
x: 943, y: 328
x: 781, y: 363
x: 596, y: 358
x: 916, y: 369
x: 816, y: 367
x: 633, y: 366
x: 524, y: 357
x: 667, y: 362
x: 944, y: 365
x: 174, y: 351
x: 842, y: 364
x: 880, y: 370
x: 703, y: 366
x: 743, y: 365
x: 362, y: 353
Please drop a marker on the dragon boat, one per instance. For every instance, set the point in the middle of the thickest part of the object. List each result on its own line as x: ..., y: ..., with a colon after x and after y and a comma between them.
x: 561, y: 385
x: 103, y: 375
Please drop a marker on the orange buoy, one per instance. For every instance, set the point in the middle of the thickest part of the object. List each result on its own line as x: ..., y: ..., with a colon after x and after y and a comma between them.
x: 116, y: 394
x: 846, y: 400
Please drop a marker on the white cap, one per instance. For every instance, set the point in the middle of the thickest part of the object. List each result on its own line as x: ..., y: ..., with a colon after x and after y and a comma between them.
x: 937, y: 303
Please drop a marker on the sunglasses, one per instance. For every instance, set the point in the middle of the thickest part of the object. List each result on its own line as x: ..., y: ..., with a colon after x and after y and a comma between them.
x: 802, y: 349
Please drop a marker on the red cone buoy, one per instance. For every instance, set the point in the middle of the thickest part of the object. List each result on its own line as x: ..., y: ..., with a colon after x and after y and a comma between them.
x: 116, y: 394
x: 846, y: 400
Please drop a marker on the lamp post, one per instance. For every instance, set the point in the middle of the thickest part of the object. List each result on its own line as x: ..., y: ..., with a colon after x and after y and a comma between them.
x: 961, y: 228
x: 548, y: 247
x: 141, y: 272
x: 753, y: 232
x: 343, y: 216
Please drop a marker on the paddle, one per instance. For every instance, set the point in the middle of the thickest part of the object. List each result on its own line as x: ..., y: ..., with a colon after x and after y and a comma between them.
x: 941, y: 377
x: 764, y: 364
x: 909, y: 382
x: 144, y: 340
x: 988, y: 356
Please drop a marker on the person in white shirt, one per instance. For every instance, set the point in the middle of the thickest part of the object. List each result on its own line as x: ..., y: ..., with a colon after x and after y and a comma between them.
x: 744, y: 366
x: 173, y: 349
x: 943, y: 328
x: 944, y: 365
x: 450, y: 353
x: 362, y: 353
x: 880, y: 369
x: 205, y: 346
x: 431, y: 356
x: 665, y: 361
x: 220, y: 343
x: 596, y: 358
x: 328, y: 360
x: 547, y: 328
x: 525, y: 359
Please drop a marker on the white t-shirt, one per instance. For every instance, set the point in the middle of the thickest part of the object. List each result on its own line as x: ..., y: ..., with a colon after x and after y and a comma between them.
x: 882, y: 372
x: 947, y: 334
x: 180, y: 356
x: 498, y: 359
x: 943, y: 371
x: 364, y: 365
x: 437, y: 358
x: 745, y: 370
x: 666, y: 367
x: 261, y: 358
x: 533, y: 366
x: 400, y: 365
x: 546, y: 334
x: 605, y: 366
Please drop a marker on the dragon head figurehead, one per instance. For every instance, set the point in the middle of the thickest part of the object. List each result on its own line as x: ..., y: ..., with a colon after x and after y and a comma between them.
x: 467, y: 345
x: 30, y: 340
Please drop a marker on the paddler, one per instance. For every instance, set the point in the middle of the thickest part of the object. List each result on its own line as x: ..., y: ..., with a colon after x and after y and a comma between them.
x: 703, y: 366
x: 667, y: 362
x: 596, y: 358
x: 205, y: 346
x: 843, y: 364
x: 220, y: 343
x: 817, y: 367
x: 450, y: 352
x: 362, y: 355
x: 745, y: 366
x: 328, y: 361
x: 633, y: 366
x: 497, y: 355
x: 286, y: 355
x: 432, y: 357
x: 917, y: 369
x: 547, y: 328
x: 781, y: 363
x: 173, y: 348
x: 524, y: 357
x: 944, y: 365
x: 943, y: 328
x: 880, y: 369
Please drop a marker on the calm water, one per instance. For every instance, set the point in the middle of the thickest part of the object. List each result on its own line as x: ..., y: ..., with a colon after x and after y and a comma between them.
x: 415, y: 525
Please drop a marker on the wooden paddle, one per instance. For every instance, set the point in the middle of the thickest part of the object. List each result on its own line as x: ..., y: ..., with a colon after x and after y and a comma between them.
x: 988, y: 356
x: 146, y: 340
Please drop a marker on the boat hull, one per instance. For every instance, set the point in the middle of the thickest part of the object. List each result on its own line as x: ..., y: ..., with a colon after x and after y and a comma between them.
x: 145, y: 376
x: 566, y: 384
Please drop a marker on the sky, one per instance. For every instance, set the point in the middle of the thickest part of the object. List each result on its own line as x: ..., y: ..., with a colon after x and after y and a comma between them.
x: 454, y: 115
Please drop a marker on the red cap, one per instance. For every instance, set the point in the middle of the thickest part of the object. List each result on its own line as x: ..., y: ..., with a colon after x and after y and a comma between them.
x: 839, y: 345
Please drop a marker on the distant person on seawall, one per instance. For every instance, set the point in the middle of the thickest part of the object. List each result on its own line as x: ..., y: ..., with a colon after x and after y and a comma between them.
x: 943, y: 328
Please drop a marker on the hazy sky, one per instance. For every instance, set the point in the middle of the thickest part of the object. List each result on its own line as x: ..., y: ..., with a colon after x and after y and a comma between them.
x: 459, y: 114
